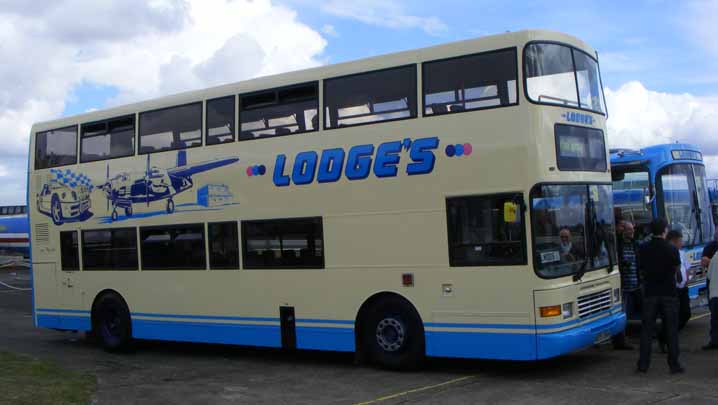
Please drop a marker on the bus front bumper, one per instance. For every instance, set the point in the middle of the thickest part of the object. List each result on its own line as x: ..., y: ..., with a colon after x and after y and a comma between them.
x: 552, y: 344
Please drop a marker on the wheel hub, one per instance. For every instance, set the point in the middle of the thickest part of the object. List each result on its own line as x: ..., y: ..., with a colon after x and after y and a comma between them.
x: 390, y: 334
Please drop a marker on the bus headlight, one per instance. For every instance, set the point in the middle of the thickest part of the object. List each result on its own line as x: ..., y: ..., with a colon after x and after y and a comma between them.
x: 567, y: 310
x: 616, y: 295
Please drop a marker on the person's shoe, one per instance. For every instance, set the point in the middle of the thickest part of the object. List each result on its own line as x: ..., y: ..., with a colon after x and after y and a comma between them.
x: 641, y: 370
x: 678, y: 370
x: 710, y: 346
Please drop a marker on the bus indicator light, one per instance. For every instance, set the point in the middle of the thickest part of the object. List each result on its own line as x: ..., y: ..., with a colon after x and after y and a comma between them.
x: 407, y: 279
x: 551, y: 311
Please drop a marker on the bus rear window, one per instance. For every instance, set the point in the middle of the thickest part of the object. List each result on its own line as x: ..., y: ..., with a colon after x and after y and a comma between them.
x: 580, y: 149
x: 57, y: 147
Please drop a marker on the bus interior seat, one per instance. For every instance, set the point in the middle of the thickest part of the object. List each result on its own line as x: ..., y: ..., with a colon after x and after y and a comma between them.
x: 439, y: 108
x: 457, y: 108
x: 315, y: 122
x: 282, y: 131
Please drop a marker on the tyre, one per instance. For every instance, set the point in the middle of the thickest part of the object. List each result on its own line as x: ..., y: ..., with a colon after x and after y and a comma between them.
x: 111, y: 323
x: 56, y: 210
x: 393, y: 334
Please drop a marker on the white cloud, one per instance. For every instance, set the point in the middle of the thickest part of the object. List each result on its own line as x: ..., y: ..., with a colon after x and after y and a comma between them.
x: 391, y: 14
x: 640, y: 117
x: 142, y: 48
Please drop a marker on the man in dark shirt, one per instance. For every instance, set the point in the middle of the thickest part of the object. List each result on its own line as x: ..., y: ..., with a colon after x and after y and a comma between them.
x: 630, y: 281
x: 659, y: 265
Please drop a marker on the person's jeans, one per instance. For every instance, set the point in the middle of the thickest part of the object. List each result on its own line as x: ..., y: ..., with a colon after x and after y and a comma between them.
x: 668, y: 307
x: 684, y: 308
x: 713, y: 306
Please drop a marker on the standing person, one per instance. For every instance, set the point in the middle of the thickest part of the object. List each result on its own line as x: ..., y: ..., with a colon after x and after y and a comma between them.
x: 627, y: 249
x: 675, y: 238
x: 659, y: 264
x: 712, y: 275
x: 713, y: 302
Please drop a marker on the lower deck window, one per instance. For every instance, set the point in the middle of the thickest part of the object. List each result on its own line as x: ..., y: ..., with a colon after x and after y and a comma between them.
x: 109, y: 249
x: 485, y: 230
x: 69, y: 253
x: 283, y: 243
x: 174, y: 247
x: 223, y: 245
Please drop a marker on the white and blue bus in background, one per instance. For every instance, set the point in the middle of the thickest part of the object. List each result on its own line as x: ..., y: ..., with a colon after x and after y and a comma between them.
x: 14, y: 231
x: 668, y: 181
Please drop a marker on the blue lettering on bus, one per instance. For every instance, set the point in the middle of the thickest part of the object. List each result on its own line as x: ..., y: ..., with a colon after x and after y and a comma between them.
x: 330, y: 166
x: 572, y: 116
x: 386, y: 159
x: 305, y: 166
x: 360, y: 162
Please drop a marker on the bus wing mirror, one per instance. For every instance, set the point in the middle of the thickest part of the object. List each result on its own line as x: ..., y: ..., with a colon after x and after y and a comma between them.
x: 511, y: 212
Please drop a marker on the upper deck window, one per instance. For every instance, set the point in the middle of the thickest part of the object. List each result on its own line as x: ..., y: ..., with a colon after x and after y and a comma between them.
x: 561, y: 75
x: 107, y: 139
x: 383, y: 95
x: 220, y: 120
x: 470, y: 82
x: 57, y: 147
x: 171, y: 128
x: 284, y: 111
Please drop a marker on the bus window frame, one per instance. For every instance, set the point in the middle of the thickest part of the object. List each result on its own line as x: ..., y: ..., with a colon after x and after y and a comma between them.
x: 77, y: 157
x: 415, y: 91
x: 205, y: 106
x: 238, y: 124
x: 587, y: 184
x: 422, y: 102
x: 139, y: 128
x: 135, y: 135
x: 578, y: 98
x: 522, y: 214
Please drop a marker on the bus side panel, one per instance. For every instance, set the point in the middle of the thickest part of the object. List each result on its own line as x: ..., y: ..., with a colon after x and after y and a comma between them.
x: 482, y: 345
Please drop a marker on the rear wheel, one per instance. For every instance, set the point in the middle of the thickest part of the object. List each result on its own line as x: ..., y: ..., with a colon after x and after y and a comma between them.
x: 111, y: 323
x: 392, y: 334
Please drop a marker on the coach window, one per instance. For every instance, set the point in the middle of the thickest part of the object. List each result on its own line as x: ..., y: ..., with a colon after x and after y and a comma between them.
x: 486, y: 230
x: 470, y: 82
x: 171, y: 128
x: 57, y: 147
x: 173, y: 247
x: 383, y: 95
x: 223, y: 245
x: 69, y: 251
x: 283, y: 244
x: 109, y: 249
x: 220, y: 120
x: 283, y: 111
x: 107, y: 139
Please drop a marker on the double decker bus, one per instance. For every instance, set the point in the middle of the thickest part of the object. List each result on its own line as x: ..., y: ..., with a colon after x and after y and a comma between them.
x: 669, y: 181
x: 451, y: 201
x: 713, y: 195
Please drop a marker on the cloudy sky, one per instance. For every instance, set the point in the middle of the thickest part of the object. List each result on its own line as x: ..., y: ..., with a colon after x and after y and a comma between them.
x: 63, y: 57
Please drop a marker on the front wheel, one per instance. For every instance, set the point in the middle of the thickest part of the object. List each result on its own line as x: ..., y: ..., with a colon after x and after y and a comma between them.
x: 111, y: 323
x: 393, y: 334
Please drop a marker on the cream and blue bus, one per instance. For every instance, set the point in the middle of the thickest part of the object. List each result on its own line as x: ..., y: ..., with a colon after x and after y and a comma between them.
x: 452, y: 201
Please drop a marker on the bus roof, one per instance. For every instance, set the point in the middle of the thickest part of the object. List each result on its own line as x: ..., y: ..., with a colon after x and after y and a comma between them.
x: 656, y: 154
x: 436, y: 52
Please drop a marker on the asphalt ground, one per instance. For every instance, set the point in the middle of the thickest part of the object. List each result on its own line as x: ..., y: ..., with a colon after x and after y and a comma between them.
x: 178, y: 373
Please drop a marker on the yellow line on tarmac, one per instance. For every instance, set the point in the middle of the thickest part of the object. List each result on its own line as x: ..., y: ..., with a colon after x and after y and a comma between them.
x: 700, y: 316
x: 425, y: 388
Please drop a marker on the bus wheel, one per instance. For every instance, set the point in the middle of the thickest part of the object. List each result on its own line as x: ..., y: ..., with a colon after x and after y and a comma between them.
x: 393, y: 335
x: 111, y: 323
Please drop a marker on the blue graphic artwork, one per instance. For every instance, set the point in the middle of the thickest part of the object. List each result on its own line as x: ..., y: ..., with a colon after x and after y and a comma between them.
x: 155, y: 184
x: 65, y: 197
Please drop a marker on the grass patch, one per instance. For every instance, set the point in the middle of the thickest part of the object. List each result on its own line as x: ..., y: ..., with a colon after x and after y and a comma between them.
x: 25, y: 380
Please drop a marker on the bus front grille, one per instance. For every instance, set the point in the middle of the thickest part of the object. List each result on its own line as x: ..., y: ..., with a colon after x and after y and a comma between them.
x: 594, y: 303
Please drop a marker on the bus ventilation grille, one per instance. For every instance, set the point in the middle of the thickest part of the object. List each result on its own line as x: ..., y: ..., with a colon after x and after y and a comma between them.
x: 592, y: 304
x: 42, y: 234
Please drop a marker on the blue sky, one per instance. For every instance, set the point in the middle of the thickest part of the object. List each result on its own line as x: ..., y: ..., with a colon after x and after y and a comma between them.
x: 659, y: 58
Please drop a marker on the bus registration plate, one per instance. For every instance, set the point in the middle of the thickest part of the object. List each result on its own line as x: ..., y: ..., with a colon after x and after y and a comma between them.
x: 602, y: 337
